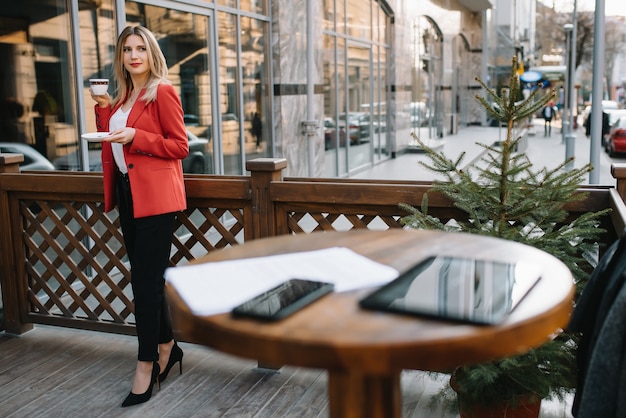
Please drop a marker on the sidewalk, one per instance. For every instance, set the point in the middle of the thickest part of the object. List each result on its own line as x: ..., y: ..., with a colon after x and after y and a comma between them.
x: 542, y: 152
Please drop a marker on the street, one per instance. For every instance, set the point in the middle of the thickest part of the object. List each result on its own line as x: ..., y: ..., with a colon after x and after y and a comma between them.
x: 542, y: 152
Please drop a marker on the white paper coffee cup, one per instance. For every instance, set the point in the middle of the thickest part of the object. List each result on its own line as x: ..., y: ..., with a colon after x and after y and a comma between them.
x: 99, y: 86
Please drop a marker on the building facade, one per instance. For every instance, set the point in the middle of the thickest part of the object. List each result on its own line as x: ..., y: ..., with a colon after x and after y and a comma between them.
x: 333, y: 86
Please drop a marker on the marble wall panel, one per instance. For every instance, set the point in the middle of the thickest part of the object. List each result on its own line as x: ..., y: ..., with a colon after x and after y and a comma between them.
x: 290, y: 79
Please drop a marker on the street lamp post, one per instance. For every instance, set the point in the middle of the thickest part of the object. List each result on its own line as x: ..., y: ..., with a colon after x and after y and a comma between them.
x: 567, y: 119
x: 596, y: 103
x: 572, y: 70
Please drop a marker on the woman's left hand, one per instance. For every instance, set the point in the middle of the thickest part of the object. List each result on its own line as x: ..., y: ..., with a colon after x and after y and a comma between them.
x: 122, y: 136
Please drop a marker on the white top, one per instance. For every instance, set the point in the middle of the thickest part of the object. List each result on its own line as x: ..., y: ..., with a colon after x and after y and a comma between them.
x: 548, y: 112
x: 118, y: 121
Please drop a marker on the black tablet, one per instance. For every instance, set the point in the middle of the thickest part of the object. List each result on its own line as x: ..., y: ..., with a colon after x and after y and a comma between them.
x: 457, y: 289
x: 283, y: 300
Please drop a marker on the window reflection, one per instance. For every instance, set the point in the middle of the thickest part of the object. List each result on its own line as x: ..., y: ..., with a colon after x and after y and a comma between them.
x: 241, y: 114
x: 228, y: 100
x: 244, y: 93
x: 379, y: 111
x: 359, y: 106
x: 426, y: 116
x: 340, y: 16
x: 342, y: 161
x: 329, y: 14
x: 256, y: 107
x: 334, y: 135
x: 254, y: 6
x: 226, y: 105
x: 37, y: 94
x: 377, y: 24
x: 355, y: 86
x: 229, y: 3
x: 183, y: 37
x: 359, y: 21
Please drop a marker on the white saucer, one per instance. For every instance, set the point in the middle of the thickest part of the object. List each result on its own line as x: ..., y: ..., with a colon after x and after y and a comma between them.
x: 95, y: 136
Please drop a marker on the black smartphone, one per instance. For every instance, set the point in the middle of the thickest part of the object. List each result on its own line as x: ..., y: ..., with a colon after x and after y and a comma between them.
x: 283, y: 300
x: 457, y: 289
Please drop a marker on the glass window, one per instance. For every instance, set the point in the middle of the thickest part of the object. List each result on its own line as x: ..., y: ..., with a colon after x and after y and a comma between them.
x: 401, y: 119
x: 229, y: 3
x: 184, y: 39
x: 244, y: 90
x: 334, y: 135
x: 329, y: 14
x: 359, y: 19
x: 379, y: 106
x: 229, y: 103
x: 355, y: 86
x: 341, y: 100
x: 37, y: 93
x: 256, y: 106
x: 426, y: 103
x: 376, y: 26
x: 254, y: 6
x: 340, y: 15
x: 359, y: 115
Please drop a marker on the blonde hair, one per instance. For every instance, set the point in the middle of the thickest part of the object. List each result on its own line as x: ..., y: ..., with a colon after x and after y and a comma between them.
x: 156, y: 62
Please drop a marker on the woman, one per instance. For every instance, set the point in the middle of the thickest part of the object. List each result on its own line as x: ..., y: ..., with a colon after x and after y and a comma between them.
x: 141, y: 163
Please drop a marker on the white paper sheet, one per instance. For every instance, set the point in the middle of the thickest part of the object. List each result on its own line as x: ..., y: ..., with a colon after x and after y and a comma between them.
x: 218, y: 287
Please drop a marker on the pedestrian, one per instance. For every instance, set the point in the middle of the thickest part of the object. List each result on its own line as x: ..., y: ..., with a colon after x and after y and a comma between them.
x: 548, y: 113
x: 142, y: 168
x: 257, y: 130
x: 10, y: 112
x: 606, y: 127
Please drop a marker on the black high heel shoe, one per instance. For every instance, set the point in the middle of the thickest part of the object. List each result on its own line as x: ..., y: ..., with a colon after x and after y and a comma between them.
x: 176, y: 356
x: 134, y: 399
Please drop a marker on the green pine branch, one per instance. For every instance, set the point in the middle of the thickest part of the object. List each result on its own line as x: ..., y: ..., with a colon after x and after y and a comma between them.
x: 504, y: 195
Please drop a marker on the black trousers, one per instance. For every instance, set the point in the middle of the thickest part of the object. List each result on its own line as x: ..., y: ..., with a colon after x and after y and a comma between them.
x: 148, y: 243
x: 547, y: 127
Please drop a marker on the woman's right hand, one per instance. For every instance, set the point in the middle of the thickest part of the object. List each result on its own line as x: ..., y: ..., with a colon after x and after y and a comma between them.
x: 103, y: 100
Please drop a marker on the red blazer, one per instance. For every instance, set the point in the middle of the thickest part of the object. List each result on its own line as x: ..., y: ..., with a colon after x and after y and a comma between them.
x: 153, y: 158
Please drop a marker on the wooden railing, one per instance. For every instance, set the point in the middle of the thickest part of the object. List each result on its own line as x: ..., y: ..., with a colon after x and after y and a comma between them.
x: 63, y: 262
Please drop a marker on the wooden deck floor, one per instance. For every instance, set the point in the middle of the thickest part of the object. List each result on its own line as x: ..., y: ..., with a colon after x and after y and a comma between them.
x: 58, y: 372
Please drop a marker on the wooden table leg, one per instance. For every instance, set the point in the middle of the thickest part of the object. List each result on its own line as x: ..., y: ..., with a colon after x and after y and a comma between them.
x: 355, y: 395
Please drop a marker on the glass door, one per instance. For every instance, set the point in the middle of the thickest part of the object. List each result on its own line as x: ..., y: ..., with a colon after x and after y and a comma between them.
x: 359, y: 115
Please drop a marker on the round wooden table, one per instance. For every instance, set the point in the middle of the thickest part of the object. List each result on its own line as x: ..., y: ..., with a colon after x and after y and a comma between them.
x: 363, y: 351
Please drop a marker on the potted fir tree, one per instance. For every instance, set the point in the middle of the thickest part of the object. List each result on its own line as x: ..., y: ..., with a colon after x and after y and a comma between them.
x: 506, y: 197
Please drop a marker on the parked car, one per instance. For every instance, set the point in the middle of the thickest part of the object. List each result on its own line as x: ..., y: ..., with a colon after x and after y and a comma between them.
x: 610, y: 116
x: 33, y: 159
x: 196, y: 162
x: 607, y: 106
x: 71, y: 161
x: 616, y: 141
x: 420, y: 114
x: 357, y: 124
x: 333, y: 134
x: 191, y: 120
x: 379, y: 122
x: 615, y: 114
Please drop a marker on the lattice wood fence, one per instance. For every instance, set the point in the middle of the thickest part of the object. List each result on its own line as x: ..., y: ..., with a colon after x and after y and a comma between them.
x: 63, y: 258
x: 76, y: 263
x: 63, y: 261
